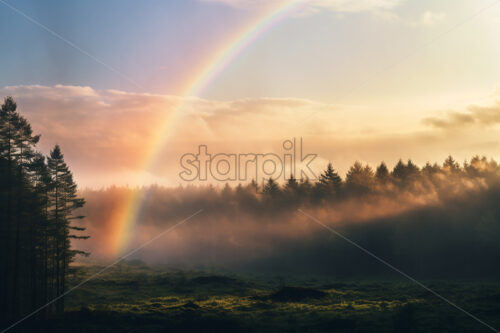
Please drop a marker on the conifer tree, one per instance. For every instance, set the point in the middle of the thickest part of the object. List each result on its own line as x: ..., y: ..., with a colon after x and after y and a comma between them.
x: 292, y: 184
x: 382, y: 173
x: 64, y: 201
x: 451, y: 166
x: 329, y: 183
x: 271, y: 188
x: 37, y: 206
x: 359, y: 178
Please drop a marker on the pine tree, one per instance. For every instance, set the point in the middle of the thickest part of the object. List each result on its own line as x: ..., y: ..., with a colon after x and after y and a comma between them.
x: 399, y: 170
x: 405, y: 172
x: 42, y: 186
x: 9, y: 135
x: 382, y: 173
x: 271, y: 188
x: 25, y: 143
x: 291, y: 191
x: 292, y: 184
x: 430, y: 169
x: 451, y: 166
x: 64, y: 201
x: 359, y: 178
x: 329, y: 183
x: 412, y: 169
x: 37, y: 202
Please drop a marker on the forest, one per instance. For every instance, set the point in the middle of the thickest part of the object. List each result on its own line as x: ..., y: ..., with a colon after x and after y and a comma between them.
x: 38, y: 198
x: 437, y: 220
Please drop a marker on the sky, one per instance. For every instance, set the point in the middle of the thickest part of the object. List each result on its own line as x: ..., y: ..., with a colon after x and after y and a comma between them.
x: 366, y: 80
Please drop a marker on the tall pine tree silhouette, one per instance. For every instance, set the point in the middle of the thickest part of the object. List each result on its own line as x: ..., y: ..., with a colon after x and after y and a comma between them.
x: 37, y: 206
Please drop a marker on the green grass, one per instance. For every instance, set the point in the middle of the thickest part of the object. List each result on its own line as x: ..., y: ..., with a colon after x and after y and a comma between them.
x: 138, y: 298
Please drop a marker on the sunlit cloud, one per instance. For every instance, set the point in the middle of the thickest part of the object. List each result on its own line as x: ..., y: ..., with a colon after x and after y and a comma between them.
x: 111, y: 132
x: 475, y: 115
x: 106, y: 135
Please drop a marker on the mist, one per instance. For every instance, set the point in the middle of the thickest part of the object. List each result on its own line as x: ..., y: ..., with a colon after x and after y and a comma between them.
x: 433, y: 221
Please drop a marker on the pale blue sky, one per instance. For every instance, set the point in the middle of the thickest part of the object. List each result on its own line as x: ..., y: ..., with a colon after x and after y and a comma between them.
x: 319, y: 56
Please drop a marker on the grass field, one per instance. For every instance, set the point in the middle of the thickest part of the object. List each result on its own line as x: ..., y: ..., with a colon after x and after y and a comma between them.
x: 134, y: 297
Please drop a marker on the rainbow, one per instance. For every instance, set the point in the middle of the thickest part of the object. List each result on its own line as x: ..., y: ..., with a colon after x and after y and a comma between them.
x: 124, y: 218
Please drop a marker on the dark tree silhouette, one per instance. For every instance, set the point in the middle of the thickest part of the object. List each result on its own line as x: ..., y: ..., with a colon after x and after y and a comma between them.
x: 272, y: 188
x: 360, y: 179
x: 382, y: 173
x: 37, y: 201
x: 292, y: 184
x: 329, y: 184
x: 450, y: 165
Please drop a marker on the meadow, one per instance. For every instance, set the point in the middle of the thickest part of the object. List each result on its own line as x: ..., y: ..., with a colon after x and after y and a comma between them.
x: 135, y: 297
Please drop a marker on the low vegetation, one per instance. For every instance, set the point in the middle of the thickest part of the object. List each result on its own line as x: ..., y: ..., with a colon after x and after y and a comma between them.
x: 159, y: 299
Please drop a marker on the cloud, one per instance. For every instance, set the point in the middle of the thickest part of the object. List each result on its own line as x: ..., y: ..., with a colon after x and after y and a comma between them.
x: 474, y: 116
x: 383, y: 9
x: 310, y: 6
x: 430, y: 18
x: 107, y: 135
x: 111, y: 133
x: 426, y: 19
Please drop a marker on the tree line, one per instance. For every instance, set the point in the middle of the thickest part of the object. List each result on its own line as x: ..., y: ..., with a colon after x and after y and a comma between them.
x: 449, y: 178
x: 38, y: 198
x: 435, y: 220
x: 405, y: 185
